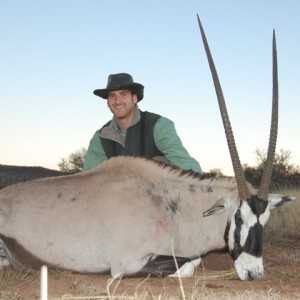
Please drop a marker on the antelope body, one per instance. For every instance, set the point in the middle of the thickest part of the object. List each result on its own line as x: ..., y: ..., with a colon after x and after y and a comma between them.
x: 117, y: 217
x: 114, y: 217
x: 130, y: 216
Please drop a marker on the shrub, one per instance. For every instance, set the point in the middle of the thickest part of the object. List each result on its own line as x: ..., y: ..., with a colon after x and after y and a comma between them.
x: 74, y: 162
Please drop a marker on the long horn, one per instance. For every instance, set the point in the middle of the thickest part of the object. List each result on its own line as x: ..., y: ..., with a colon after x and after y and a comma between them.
x: 237, y: 167
x: 266, y: 178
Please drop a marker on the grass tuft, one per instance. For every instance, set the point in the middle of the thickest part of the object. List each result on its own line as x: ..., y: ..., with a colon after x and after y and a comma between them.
x: 284, y: 222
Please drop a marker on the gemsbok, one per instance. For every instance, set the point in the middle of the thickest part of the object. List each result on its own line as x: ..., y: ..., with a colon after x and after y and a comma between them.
x: 132, y: 216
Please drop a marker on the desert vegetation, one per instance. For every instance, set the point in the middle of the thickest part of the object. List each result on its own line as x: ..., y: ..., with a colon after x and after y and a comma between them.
x: 284, y: 223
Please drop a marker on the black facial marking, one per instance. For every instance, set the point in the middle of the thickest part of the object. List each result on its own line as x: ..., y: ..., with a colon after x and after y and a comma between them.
x: 73, y: 199
x: 59, y: 195
x: 258, y: 206
x: 226, y: 233
x: 253, y: 243
x: 237, y: 249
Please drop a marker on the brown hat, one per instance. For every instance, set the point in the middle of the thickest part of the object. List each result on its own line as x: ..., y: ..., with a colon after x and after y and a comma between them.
x: 121, y: 81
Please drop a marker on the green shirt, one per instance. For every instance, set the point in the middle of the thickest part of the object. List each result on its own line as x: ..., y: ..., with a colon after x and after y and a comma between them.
x: 166, y: 140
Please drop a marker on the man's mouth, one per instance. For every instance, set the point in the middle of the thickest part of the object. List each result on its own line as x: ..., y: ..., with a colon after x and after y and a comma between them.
x: 120, y: 106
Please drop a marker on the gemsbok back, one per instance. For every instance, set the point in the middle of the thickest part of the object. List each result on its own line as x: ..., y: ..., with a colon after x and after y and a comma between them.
x: 131, y: 216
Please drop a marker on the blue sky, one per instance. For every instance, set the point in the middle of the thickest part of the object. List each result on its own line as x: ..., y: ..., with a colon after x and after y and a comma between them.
x: 54, y: 53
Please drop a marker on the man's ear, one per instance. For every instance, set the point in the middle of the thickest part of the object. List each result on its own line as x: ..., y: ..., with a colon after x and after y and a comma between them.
x: 135, y: 98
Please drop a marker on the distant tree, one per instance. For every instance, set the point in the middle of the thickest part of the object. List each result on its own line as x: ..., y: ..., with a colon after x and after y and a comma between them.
x: 74, y: 162
x: 281, y: 160
x: 284, y: 173
x: 3, y: 183
x: 215, y: 173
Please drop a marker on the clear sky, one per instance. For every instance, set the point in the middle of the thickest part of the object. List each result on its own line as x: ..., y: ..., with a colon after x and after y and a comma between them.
x: 54, y: 54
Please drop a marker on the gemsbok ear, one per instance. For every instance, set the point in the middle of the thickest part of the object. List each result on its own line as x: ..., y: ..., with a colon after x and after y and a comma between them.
x: 218, y: 207
x: 277, y: 200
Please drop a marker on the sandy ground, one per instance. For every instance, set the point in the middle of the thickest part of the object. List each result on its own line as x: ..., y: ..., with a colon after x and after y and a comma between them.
x: 215, y: 279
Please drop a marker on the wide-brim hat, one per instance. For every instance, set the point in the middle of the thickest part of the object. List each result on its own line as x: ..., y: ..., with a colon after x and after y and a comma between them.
x: 121, y: 81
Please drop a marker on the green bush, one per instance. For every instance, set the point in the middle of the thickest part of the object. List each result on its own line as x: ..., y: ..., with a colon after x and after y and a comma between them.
x: 285, y: 175
x: 3, y: 183
x: 74, y: 162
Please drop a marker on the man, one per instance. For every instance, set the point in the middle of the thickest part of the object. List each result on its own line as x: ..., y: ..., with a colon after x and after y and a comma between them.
x: 133, y: 132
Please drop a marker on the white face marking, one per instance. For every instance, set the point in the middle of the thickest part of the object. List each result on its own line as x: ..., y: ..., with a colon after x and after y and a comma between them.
x: 249, y: 267
x: 231, y: 234
x: 249, y: 219
x: 264, y: 218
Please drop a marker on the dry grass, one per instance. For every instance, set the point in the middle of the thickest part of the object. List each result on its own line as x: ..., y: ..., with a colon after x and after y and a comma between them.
x: 9, y: 276
x: 84, y: 290
x: 211, y: 295
x: 201, y: 283
x: 285, y: 221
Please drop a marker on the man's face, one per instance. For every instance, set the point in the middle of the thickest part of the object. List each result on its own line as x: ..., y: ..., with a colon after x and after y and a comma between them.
x: 121, y: 103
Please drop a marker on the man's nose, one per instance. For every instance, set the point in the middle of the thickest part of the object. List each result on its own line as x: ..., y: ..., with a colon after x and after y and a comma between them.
x: 117, y: 98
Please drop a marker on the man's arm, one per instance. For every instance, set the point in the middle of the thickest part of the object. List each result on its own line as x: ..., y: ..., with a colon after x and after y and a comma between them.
x: 168, y: 142
x: 95, y: 154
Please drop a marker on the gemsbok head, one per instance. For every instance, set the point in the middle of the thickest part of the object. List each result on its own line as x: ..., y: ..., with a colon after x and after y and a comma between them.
x: 245, y: 236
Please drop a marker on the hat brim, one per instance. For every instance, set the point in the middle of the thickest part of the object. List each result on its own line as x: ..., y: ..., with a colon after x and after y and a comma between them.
x: 135, y: 88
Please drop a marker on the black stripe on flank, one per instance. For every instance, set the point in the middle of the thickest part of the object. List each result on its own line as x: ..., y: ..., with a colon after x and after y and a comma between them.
x: 161, y: 265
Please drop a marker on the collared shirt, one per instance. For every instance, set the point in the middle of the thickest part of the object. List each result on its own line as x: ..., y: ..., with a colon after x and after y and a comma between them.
x: 165, y: 137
